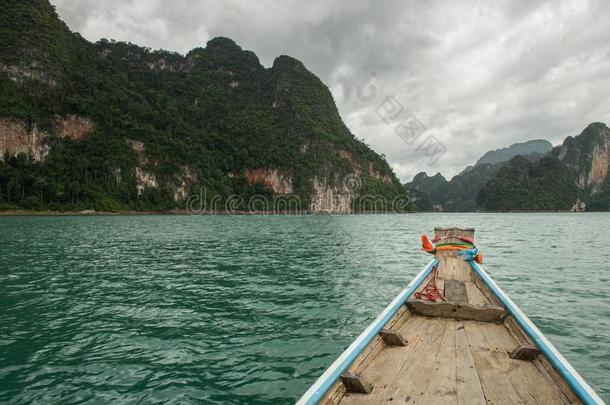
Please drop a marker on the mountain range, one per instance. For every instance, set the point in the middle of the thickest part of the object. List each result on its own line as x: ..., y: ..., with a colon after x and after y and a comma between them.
x: 530, y: 176
x: 572, y: 177
x: 460, y: 193
x: 533, y: 147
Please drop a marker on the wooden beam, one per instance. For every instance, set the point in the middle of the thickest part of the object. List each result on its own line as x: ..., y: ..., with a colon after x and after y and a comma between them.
x: 484, y: 289
x: 455, y: 291
x: 547, y: 369
x: 517, y: 332
x: 353, y: 383
x: 368, y: 355
x: 485, y: 313
x: 524, y: 352
x: 391, y: 337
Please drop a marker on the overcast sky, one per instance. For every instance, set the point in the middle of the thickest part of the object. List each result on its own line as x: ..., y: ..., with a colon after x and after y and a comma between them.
x: 478, y: 75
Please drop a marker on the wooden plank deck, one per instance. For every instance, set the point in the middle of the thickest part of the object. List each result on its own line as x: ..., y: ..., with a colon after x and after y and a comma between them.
x: 448, y: 360
x: 454, y: 362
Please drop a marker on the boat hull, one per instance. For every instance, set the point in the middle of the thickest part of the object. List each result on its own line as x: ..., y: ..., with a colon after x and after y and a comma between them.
x: 473, y: 345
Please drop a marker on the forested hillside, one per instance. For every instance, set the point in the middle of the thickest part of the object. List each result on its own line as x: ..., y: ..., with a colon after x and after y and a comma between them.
x: 114, y: 126
x: 574, y: 177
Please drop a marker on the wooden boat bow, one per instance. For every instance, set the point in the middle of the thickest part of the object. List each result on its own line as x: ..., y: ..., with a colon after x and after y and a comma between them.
x: 451, y: 336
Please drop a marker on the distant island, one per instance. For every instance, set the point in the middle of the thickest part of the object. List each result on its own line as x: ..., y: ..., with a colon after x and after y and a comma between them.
x: 531, y: 176
x: 114, y: 127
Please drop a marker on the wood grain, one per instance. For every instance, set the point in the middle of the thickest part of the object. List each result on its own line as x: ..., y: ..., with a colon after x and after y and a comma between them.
x: 452, y: 310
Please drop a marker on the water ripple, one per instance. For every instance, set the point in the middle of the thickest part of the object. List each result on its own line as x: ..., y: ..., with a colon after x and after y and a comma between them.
x: 253, y: 309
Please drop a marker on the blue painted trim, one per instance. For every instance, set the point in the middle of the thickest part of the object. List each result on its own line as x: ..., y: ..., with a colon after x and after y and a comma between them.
x: 580, y: 387
x: 326, y: 380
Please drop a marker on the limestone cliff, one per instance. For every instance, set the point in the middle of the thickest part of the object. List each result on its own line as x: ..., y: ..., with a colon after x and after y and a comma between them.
x: 330, y: 197
x: 73, y: 127
x: 17, y: 137
x: 587, y: 155
x: 280, y: 183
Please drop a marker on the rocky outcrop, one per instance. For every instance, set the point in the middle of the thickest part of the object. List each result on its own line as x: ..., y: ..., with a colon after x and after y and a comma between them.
x: 73, y: 127
x: 349, y: 156
x: 330, y: 198
x: 579, y: 206
x: 345, y: 154
x: 357, y: 169
x: 16, y: 137
x: 588, y: 156
x: 598, y: 172
x: 160, y: 65
x: 185, y: 181
x: 144, y: 180
x: 33, y: 71
x: 139, y: 149
x: 374, y: 173
x: 273, y: 179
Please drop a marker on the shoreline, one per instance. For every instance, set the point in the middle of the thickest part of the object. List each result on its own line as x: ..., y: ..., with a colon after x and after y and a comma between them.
x: 83, y: 213
x: 178, y: 212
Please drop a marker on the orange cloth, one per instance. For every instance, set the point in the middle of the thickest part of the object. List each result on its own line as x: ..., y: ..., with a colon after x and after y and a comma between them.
x: 426, y: 244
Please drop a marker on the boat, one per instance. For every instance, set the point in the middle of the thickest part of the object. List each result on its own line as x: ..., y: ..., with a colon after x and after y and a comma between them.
x: 452, y: 336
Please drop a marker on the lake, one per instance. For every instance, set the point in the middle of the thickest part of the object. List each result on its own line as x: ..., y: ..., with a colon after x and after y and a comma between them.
x: 252, y: 309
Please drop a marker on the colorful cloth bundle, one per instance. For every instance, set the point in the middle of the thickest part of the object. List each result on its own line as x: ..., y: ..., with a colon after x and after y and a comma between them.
x: 466, y: 247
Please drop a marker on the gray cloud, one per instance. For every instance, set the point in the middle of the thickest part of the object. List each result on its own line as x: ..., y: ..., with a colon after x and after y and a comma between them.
x: 478, y: 75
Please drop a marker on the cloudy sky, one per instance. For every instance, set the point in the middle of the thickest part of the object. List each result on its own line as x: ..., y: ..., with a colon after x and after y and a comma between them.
x: 478, y: 75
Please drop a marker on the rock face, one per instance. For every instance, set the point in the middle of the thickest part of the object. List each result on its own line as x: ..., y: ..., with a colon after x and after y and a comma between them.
x: 16, y: 138
x: 144, y: 180
x: 185, y: 182
x: 73, y: 127
x: 280, y: 183
x: 598, y: 173
x: 587, y: 155
x: 327, y: 198
x: 579, y: 206
x: 373, y: 172
x: 21, y: 73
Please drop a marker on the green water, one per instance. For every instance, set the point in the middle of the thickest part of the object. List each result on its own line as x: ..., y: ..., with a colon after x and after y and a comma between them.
x: 252, y: 309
